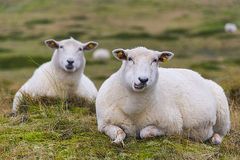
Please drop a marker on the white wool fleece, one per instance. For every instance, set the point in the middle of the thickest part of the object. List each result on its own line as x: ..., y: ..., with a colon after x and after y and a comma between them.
x: 61, y: 77
x: 143, y: 98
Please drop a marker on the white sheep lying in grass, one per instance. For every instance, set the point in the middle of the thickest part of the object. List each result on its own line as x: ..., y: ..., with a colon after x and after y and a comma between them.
x: 230, y: 27
x: 143, y: 99
x: 63, y: 76
x: 101, y: 54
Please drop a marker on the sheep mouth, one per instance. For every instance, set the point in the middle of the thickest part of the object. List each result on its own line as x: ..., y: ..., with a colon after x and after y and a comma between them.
x: 69, y: 67
x: 139, y: 86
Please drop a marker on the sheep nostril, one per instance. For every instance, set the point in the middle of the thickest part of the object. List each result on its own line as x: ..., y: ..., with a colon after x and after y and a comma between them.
x: 143, y: 79
x: 70, y: 62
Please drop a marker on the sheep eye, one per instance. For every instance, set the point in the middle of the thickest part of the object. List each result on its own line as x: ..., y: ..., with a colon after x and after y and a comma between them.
x: 130, y: 59
x: 80, y: 49
x: 60, y: 46
x: 154, y: 61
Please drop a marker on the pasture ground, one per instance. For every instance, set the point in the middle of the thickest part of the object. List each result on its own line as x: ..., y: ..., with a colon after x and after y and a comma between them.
x: 193, y: 30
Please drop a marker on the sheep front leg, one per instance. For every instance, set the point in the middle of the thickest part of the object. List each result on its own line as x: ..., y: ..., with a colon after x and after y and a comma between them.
x: 150, y: 132
x: 115, y: 133
x: 216, y: 139
x: 16, y: 102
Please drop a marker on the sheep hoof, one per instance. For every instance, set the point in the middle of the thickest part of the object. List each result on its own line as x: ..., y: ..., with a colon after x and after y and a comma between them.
x: 11, y: 114
x: 150, y: 132
x: 118, y: 142
x: 216, y: 139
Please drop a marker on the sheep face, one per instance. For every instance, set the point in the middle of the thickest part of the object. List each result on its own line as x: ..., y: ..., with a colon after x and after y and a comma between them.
x: 140, y: 66
x: 69, y: 54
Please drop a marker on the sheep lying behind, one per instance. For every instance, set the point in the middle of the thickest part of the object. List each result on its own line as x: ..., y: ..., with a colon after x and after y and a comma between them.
x: 230, y: 27
x: 101, y: 54
x: 145, y: 100
x: 63, y: 76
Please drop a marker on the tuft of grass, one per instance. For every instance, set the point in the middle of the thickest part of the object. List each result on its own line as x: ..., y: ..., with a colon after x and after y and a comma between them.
x: 63, y: 103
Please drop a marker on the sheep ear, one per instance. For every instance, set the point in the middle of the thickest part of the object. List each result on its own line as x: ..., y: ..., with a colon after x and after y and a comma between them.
x: 119, y: 54
x: 90, y: 45
x: 165, y: 56
x: 52, y: 43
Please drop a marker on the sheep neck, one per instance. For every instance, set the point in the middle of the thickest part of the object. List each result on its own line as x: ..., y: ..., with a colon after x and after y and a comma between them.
x: 137, y: 102
x: 67, y: 81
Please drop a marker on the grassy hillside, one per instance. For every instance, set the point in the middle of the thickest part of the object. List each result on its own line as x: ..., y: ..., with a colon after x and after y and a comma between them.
x: 193, y: 30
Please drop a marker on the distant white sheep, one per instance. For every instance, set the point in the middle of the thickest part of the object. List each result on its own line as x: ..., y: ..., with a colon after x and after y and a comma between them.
x: 101, y: 54
x: 143, y: 99
x: 63, y: 76
x: 230, y: 27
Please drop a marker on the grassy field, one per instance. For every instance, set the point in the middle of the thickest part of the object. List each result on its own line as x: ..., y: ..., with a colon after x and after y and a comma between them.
x: 193, y: 30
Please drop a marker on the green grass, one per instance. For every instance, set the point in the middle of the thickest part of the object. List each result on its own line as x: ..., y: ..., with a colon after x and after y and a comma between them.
x: 5, y: 50
x: 193, y: 30
x: 52, y: 133
x: 13, y: 62
x: 35, y: 22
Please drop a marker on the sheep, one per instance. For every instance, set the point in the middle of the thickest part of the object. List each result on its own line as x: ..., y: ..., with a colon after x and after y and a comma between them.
x: 144, y: 100
x: 61, y: 77
x: 101, y: 54
x: 230, y: 27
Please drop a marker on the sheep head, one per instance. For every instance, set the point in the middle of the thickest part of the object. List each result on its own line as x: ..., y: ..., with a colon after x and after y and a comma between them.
x: 69, y: 53
x: 140, y: 66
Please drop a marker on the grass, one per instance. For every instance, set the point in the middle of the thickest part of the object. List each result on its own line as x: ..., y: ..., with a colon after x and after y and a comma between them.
x: 13, y: 62
x: 170, y: 34
x: 5, y: 50
x: 75, y: 34
x: 18, y: 35
x: 35, y: 22
x: 47, y: 132
x: 57, y: 129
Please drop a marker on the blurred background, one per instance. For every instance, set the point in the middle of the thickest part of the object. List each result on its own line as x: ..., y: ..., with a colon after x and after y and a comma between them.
x: 194, y: 30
